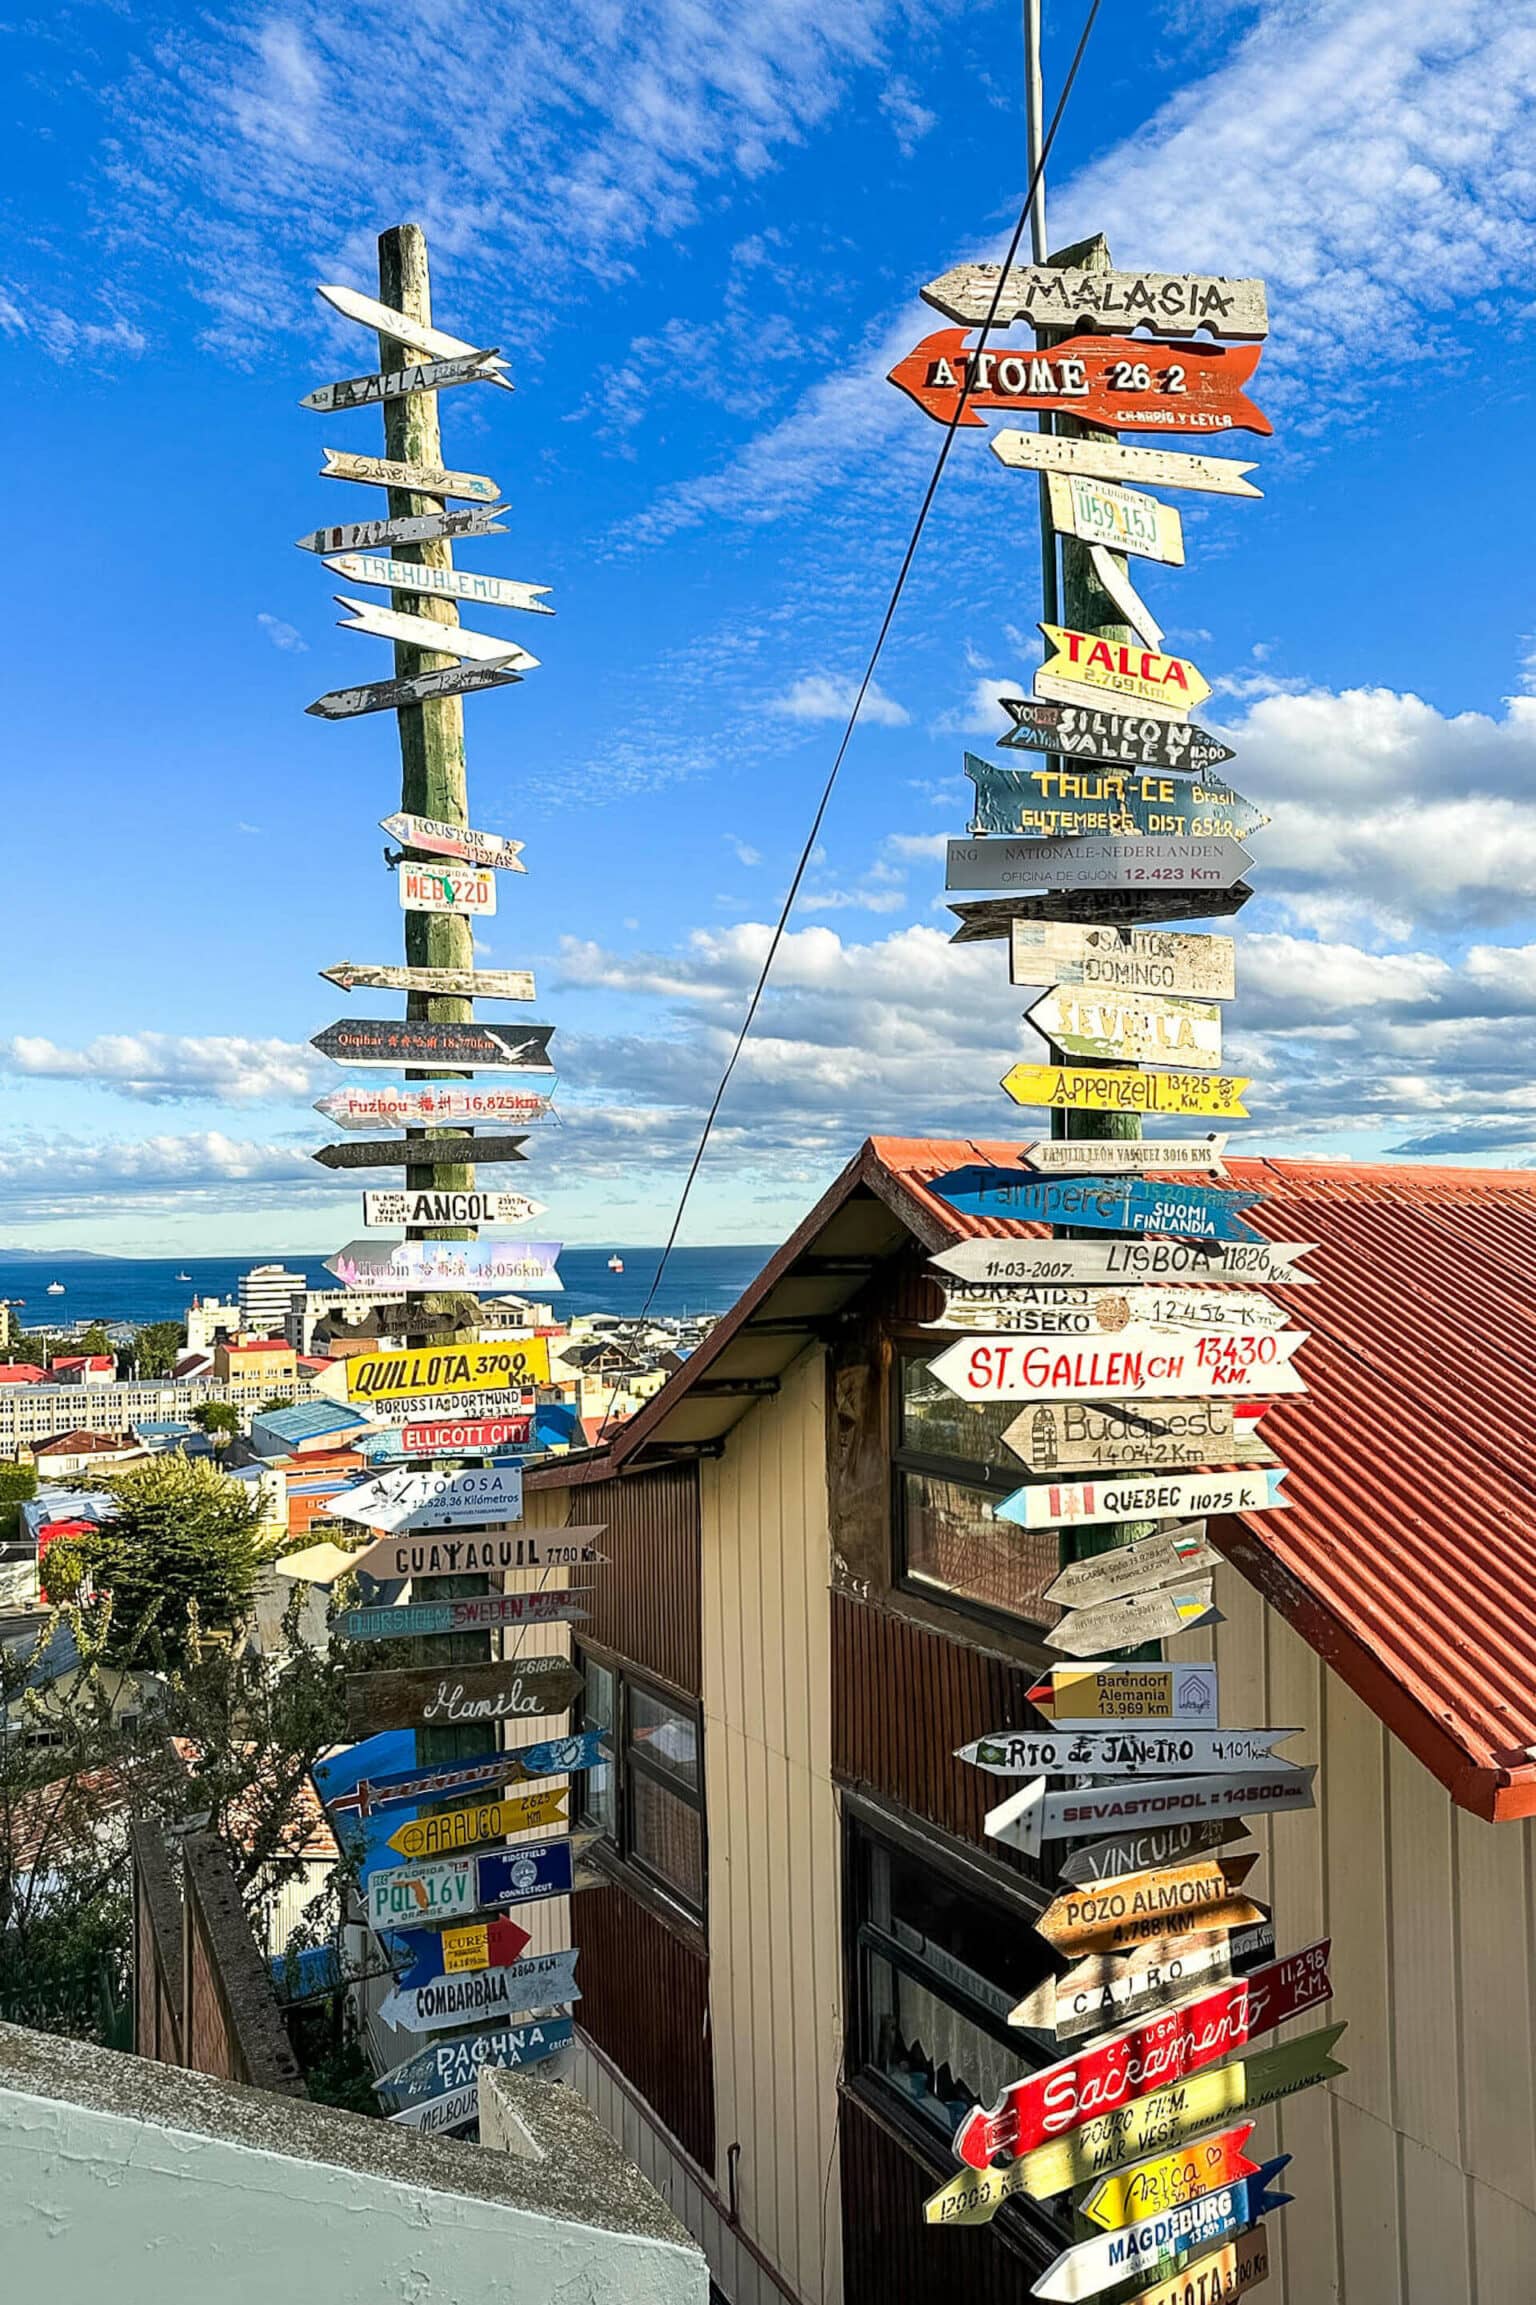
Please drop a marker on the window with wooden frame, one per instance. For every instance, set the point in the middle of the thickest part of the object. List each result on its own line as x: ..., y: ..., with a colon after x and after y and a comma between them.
x: 951, y: 1469
x: 647, y: 1802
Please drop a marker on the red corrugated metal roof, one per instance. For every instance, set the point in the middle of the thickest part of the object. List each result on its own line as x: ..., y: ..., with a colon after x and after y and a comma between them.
x: 1408, y: 1557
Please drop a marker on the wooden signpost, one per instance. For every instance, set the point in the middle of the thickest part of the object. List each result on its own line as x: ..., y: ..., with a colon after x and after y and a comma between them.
x: 1087, y: 731
x: 1109, y: 1089
x: 414, y: 1267
x: 1175, y: 1363
x: 1164, y: 303
x: 1102, y: 1204
x: 1083, y: 664
x: 1167, y: 962
x: 1116, y: 381
x: 490, y: 849
x: 450, y: 2065
x: 1138, y: 1851
x: 1145, y: 1496
x: 458, y: 1696
x: 425, y: 632
x: 446, y: 583
x: 1104, y: 460
x: 412, y: 479
x: 422, y: 528
x: 1199, y: 2166
x: 490, y: 1552
x: 409, y: 1152
x: 1123, y: 1749
x: 478, y: 1823
x: 1100, y: 513
x: 1111, y: 1989
x: 1152, y: 1616
x: 1033, y: 1263
x: 452, y: 888
x: 422, y: 1497
x: 1031, y: 1817
x: 460, y: 1950
x: 458, y: 983
x: 1111, y: 2259
x: 1137, y: 1436
x: 1050, y: 804
x: 416, y: 335
x: 1126, y: 1693
x: 390, y: 1041
x: 420, y: 688
x: 540, y: 1981
x: 394, y: 384
x: 1160, y: 1559
x: 994, y: 916
x: 372, y: 1379
x: 1089, y: 862
x: 1116, y: 1916
x: 492, y: 1612
x: 411, y: 1104
x: 428, y: 1205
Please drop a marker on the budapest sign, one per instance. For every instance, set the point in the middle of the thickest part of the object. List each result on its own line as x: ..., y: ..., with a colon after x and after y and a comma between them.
x: 1054, y: 802
x: 1104, y: 380
x: 1120, y: 738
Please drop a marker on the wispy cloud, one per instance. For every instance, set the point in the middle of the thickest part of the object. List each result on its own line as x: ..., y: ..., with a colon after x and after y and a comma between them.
x: 66, y: 336
x: 168, y: 1068
x: 816, y: 696
x: 284, y: 636
x: 65, y: 1175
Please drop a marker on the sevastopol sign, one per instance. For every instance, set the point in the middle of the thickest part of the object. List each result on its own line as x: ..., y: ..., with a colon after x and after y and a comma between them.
x: 1031, y: 1817
x: 1054, y: 803
x: 1100, y: 1204
x: 1118, y: 737
x: 413, y: 1266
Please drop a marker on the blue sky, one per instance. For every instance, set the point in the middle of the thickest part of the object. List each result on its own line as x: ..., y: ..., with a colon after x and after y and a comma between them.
x: 698, y: 232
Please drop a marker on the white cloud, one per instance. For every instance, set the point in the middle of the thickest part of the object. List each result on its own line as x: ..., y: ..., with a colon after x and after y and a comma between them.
x: 284, y: 636
x: 65, y: 336
x: 168, y: 1068
x: 980, y: 714
x: 815, y: 696
x: 64, y: 1175
x: 742, y: 850
x: 910, y: 119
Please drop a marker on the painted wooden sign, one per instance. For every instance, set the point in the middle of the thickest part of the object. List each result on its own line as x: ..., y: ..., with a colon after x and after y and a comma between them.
x: 1128, y: 1156
x: 421, y: 688
x: 1186, y: 1364
x: 492, y: 1552
x: 1114, y: 580
x: 1161, y: 961
x: 429, y: 1497
x: 451, y: 1887
x: 1109, y: 380
x: 1033, y: 1263
x: 442, y: 2116
x: 460, y: 888
x: 459, y: 1696
x: 1139, y: 1693
x: 1116, y: 1916
x: 468, y: 1436
x: 1120, y: 519
x: 393, y: 1041
x: 446, y: 583
x: 1125, y: 1624
x: 1106, y: 460
x: 420, y: 528
x: 425, y: 632
x: 1226, y: 2274
x: 1108, y: 2140
x: 460, y: 1950
x: 415, y: 335
x: 1200, y: 2166
x: 369, y: 1379
x: 429, y: 1205
x: 1123, y: 1749
x: 429, y: 1408
x: 541, y: 1981
x: 490, y: 849
x: 418, y: 1266
x: 1139, y: 1851
x: 1164, y: 303
x: 442, y: 1780
x: 1083, y: 662
x: 1111, y: 2259
x: 417, y: 479
x: 396, y: 383
x: 1031, y: 1817
x: 477, y: 1823
x: 1080, y: 863
x: 994, y: 916
x: 1100, y: 1204
x: 453, y: 2064
x: 433, y: 1104
x: 1146, y: 1496
x: 1082, y: 1311
x: 464, y: 983
x: 1120, y: 739
x: 420, y: 1152
x: 1156, y: 1560
x: 1133, y: 2063
x: 489, y: 1612
x: 1186, y: 1094
x: 1127, y: 802
x: 1111, y: 1989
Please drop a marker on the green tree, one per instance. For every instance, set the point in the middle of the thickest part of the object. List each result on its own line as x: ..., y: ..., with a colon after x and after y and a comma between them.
x: 96, y: 1340
x: 278, y: 1401
x: 18, y: 1483
x: 157, y: 1345
x: 220, y: 1420
x: 183, y: 1538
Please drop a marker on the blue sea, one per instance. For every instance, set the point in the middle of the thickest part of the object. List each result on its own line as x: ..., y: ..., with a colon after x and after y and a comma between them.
x: 147, y: 1289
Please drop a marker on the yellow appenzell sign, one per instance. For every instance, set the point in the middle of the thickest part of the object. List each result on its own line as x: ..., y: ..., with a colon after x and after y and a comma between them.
x: 1085, y: 661
x: 1108, y: 1088
x: 480, y: 1822
x: 417, y: 1374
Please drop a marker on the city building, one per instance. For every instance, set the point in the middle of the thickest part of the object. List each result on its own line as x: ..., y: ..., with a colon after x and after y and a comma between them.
x: 33, y: 1411
x: 62, y: 1455
x: 83, y: 1369
x: 798, y: 1975
x: 209, y: 1319
x: 265, y: 1294
x: 22, y: 1373
x: 256, y: 1370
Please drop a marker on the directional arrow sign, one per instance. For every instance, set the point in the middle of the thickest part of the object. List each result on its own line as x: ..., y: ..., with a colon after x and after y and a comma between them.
x: 1139, y: 1436
x: 1054, y: 802
x: 460, y: 1696
x: 419, y: 479
x: 1036, y: 1262
x: 1126, y: 1693
x: 487, y: 1613
x: 1085, y: 662
x: 459, y: 1951
x: 1190, y: 1363
x: 1152, y: 1616
x: 427, y: 1205
x: 1199, y: 2167
x: 451, y: 2065
x: 542, y: 1981
x: 376, y: 1378
x: 1129, y: 2064
x: 493, y: 1552
x: 425, y: 1499
x: 414, y: 1040
x: 454, y: 1886
x: 426, y: 632
x: 1107, y: 380
x: 1122, y: 1988
x: 1033, y: 1816
x: 446, y: 583
x: 1131, y: 1028
x: 543, y: 1427
x: 1105, y: 460
x: 491, y: 849
x: 1099, y: 732
x: 457, y: 888
x: 392, y: 1788
x: 394, y: 384
x: 994, y: 916
x: 441, y: 2116
x: 1096, y: 861
x: 1139, y: 1852
x: 1103, y: 1204
x: 1123, y: 1749
x: 1154, y: 1496
x: 1118, y: 1915
x: 413, y: 1266
x: 1111, y: 1089
x: 422, y: 527
x: 1102, y: 960
x: 431, y: 1104
x: 1125, y: 2130
x: 465, y: 983
x: 1117, y: 518
x: 421, y: 688
x: 1164, y: 303
x: 1113, y: 2258
x: 1154, y: 1560
x: 1226, y: 2273
x: 421, y: 1152
x: 479, y: 1822
x: 1079, y: 1312
x: 417, y: 335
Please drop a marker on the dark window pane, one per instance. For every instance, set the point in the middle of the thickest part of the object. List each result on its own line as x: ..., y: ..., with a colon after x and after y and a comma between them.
x: 955, y: 1541
x: 667, y: 1736
x: 936, y: 1423
x: 598, y: 1800
x: 666, y: 1836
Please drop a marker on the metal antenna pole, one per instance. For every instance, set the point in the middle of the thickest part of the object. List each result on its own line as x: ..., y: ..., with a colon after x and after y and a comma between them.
x: 1034, y: 137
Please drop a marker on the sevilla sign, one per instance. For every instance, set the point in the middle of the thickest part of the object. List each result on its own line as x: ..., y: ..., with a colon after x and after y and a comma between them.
x: 1115, y: 381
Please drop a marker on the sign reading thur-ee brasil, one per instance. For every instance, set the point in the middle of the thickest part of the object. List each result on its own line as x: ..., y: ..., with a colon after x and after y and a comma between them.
x: 1115, y: 381
x: 1068, y: 802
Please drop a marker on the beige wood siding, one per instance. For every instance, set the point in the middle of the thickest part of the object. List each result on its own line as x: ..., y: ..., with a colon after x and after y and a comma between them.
x: 1414, y: 2174
x: 775, y: 1949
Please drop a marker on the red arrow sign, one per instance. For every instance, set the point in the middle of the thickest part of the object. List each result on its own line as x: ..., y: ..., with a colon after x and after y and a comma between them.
x: 1143, y: 2058
x: 1115, y: 380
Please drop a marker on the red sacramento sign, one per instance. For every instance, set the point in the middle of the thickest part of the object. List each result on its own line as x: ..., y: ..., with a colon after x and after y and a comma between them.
x: 1116, y: 380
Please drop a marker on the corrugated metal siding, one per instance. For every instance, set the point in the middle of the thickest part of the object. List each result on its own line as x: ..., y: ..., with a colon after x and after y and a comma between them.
x: 645, y: 2002
x: 645, y: 1604
x: 890, y: 2256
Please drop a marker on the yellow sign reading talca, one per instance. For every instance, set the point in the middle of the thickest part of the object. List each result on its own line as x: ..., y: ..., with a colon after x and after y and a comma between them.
x: 1086, y: 660
x: 1081, y: 1088
x: 406, y: 1376
x: 480, y: 1822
